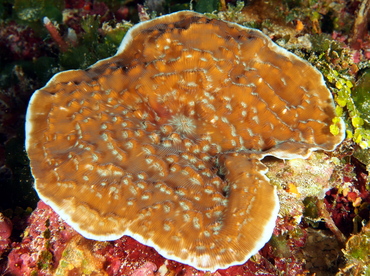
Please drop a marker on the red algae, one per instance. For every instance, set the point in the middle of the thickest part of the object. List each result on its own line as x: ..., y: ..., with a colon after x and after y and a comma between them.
x: 125, y: 255
x: 45, y: 236
x: 20, y: 43
x: 349, y: 203
x: 6, y: 228
x: 51, y: 247
x: 146, y: 269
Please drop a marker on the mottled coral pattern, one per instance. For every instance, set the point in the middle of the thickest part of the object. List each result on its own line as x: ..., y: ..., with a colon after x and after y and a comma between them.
x: 163, y: 141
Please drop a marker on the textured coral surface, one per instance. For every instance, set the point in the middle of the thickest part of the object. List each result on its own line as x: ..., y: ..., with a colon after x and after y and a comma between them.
x: 162, y: 141
x: 333, y: 36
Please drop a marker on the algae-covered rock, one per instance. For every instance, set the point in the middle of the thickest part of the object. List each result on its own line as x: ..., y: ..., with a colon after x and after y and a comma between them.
x: 361, y: 96
x: 357, y: 253
x: 297, y: 179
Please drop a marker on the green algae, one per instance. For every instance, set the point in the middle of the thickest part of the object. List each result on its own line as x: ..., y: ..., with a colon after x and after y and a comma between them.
x: 232, y: 13
x: 79, y: 257
x: 311, y: 212
x: 357, y: 254
x: 45, y: 257
x: 280, y: 246
x: 331, y: 57
x: 92, y: 45
x: 361, y: 96
x: 204, y: 6
x: 35, y: 10
x: 45, y: 260
x: 335, y: 61
x: 363, y: 155
x: 342, y: 87
x: 325, y: 16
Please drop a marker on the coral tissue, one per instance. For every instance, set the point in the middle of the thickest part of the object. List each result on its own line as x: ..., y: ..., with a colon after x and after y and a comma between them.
x: 163, y: 141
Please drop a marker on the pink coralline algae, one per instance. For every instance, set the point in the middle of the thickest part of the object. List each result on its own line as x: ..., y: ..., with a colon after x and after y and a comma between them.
x: 43, y: 241
x: 145, y: 270
x: 51, y: 247
x: 6, y: 228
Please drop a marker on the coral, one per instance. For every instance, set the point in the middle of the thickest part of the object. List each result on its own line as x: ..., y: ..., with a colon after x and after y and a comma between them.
x: 51, y: 247
x: 334, y: 62
x: 334, y: 59
x: 111, y: 165
x: 31, y: 57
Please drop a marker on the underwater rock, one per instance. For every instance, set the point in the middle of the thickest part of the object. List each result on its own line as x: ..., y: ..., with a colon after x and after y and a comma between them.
x: 51, y: 247
x: 6, y: 228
